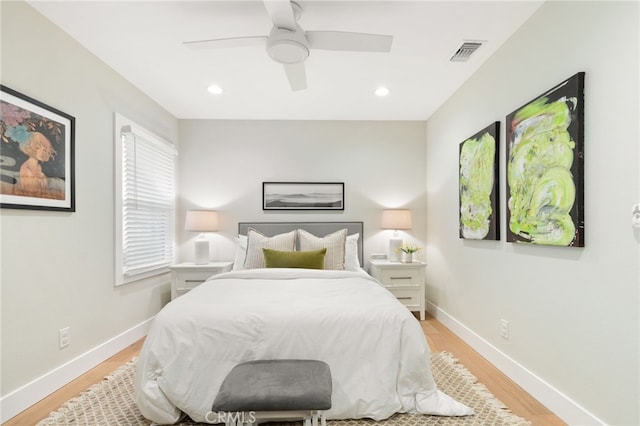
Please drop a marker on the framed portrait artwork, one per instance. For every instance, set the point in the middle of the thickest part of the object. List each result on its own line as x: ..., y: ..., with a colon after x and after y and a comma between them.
x: 36, y: 154
x: 302, y: 196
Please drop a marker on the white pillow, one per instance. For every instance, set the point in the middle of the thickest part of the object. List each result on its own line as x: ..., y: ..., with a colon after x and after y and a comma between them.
x: 351, y: 259
x: 256, y: 242
x: 241, y: 252
x: 334, y: 243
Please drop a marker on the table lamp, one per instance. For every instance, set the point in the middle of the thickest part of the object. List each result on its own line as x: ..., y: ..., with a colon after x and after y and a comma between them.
x: 396, y: 219
x: 201, y: 221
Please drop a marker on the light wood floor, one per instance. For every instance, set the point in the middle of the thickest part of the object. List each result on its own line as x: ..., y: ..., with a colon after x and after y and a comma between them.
x: 439, y: 338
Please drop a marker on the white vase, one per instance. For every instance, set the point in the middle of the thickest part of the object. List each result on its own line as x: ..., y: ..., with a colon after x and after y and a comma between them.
x: 408, y: 258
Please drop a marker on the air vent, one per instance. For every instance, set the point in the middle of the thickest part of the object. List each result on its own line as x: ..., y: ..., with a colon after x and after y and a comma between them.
x: 465, y: 51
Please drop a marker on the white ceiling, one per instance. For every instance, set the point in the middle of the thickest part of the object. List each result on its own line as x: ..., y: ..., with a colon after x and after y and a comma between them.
x: 142, y: 41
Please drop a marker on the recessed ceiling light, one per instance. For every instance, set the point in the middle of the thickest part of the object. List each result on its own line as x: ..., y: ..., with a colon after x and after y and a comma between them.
x: 382, y: 91
x: 216, y: 90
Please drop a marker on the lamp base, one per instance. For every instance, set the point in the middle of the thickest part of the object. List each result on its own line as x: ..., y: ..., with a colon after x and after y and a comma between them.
x: 394, y: 249
x: 201, y: 252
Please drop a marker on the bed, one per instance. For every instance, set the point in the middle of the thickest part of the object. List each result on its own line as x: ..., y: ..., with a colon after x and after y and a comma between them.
x: 376, y: 349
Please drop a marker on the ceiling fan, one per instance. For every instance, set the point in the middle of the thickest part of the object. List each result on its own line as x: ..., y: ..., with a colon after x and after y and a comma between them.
x: 289, y: 44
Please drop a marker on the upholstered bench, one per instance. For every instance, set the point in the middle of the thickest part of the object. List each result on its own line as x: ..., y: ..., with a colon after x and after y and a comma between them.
x: 271, y: 390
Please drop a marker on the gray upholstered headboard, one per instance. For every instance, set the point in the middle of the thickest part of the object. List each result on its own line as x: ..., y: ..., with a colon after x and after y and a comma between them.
x: 319, y: 229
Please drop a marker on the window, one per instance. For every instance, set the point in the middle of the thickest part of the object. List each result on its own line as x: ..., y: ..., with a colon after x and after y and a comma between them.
x: 145, y: 202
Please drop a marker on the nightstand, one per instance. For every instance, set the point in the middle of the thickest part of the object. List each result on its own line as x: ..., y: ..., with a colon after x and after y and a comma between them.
x: 186, y: 276
x: 404, y: 280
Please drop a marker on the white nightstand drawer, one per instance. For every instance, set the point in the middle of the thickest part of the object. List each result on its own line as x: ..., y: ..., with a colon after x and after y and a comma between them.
x: 400, y: 277
x: 408, y: 296
x: 189, y: 280
x: 187, y: 276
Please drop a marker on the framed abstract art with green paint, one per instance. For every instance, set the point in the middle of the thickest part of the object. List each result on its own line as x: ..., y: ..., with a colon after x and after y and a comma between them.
x: 545, y: 167
x: 478, y: 182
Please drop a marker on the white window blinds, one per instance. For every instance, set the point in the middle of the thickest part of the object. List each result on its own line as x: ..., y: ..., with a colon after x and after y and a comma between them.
x: 146, y: 202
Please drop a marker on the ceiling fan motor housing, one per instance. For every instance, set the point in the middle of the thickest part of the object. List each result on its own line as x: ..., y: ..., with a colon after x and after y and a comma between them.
x: 287, y: 46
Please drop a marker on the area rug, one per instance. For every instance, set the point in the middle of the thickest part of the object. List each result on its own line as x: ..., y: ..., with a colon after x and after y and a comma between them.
x: 111, y: 403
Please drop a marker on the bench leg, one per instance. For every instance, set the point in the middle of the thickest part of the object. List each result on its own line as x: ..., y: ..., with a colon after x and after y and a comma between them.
x: 312, y: 420
x: 243, y: 421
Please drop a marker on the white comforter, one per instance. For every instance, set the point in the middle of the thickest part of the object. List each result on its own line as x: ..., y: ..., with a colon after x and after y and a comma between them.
x: 376, y: 349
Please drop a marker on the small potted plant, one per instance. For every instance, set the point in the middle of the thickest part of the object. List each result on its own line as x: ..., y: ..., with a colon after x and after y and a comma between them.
x: 408, y: 250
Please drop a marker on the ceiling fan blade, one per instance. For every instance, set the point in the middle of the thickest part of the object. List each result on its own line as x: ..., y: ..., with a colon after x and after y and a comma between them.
x: 297, y: 76
x: 221, y: 43
x: 346, y: 41
x: 281, y: 13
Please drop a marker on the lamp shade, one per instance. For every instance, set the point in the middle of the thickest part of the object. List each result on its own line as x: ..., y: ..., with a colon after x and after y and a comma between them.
x: 396, y: 219
x: 201, y: 221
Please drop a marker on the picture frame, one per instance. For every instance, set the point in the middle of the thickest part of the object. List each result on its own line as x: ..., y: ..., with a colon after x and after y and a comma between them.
x: 37, y: 164
x: 545, y: 167
x: 479, y: 193
x: 303, y: 195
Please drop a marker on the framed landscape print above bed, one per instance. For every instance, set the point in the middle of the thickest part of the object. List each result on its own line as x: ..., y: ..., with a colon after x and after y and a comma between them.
x: 545, y: 167
x: 303, y: 196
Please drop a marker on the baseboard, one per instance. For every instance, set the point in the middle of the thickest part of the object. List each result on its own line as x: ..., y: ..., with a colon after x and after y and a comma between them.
x: 34, y: 391
x: 561, y: 405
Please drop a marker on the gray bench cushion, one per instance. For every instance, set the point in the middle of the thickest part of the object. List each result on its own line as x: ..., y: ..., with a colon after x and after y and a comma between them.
x: 275, y: 385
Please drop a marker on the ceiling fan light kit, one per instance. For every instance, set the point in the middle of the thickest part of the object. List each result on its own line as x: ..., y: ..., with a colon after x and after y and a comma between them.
x: 288, y: 44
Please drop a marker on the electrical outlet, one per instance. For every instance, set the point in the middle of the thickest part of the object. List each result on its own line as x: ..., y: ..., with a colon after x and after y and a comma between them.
x: 64, y: 337
x: 504, y: 329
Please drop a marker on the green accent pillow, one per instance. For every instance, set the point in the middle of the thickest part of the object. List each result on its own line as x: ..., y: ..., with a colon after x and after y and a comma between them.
x: 313, y: 259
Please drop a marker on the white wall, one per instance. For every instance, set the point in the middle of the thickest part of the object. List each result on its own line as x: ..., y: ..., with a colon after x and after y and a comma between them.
x: 57, y: 268
x: 224, y: 162
x: 573, y: 312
